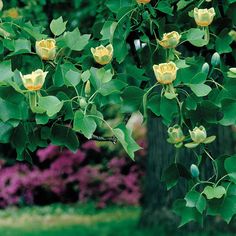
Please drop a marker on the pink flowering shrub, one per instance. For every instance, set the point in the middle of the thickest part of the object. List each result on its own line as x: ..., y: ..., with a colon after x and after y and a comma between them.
x: 63, y: 176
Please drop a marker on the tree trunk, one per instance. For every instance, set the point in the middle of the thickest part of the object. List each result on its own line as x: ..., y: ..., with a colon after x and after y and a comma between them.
x: 157, y: 200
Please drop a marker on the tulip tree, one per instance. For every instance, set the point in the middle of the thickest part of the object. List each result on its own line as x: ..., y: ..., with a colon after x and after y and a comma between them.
x: 170, y: 59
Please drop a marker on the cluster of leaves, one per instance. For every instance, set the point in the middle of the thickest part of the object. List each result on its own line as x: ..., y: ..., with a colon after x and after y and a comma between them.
x: 78, y: 12
x: 63, y: 108
x: 202, y: 96
x: 205, y: 92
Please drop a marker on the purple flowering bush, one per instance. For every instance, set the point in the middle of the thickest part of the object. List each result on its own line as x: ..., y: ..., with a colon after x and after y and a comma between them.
x: 63, y: 176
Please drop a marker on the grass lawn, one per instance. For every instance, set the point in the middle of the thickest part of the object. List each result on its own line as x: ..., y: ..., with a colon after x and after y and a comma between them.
x: 82, y: 220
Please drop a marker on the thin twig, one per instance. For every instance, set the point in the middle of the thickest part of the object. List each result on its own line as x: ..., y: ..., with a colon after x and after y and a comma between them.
x: 112, y: 139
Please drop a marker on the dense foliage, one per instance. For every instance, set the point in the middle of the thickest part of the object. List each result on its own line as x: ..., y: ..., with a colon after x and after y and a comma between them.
x: 171, y: 59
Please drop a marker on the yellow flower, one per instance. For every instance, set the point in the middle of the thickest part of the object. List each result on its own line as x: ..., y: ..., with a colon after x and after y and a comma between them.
x: 175, y: 134
x: 46, y: 49
x: 35, y: 80
x: 102, y: 55
x: 165, y: 72
x: 1, y: 5
x: 170, y: 40
x: 203, y: 17
x: 143, y: 1
x: 12, y: 12
x: 198, y: 135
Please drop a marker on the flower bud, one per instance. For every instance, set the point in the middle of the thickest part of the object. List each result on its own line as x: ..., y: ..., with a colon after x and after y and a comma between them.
x: 198, y: 135
x: 175, y: 134
x: 46, y: 49
x: 1, y: 5
x: 194, y: 171
x: 170, y: 40
x: 203, y: 17
x: 143, y: 1
x: 215, y: 59
x: 232, y: 34
x: 82, y: 103
x: 35, y: 80
x: 165, y: 72
x: 87, y: 89
x: 205, y: 68
x: 103, y: 55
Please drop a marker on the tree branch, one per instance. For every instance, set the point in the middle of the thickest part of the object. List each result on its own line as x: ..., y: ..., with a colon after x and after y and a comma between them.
x: 112, y: 139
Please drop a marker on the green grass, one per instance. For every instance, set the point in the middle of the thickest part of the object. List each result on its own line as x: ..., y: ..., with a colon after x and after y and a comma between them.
x: 74, y: 220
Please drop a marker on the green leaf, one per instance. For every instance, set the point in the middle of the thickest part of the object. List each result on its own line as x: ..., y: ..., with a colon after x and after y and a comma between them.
x: 228, y: 109
x: 168, y: 109
x: 124, y: 135
x: 108, y: 30
x: 214, y: 192
x: 199, y: 78
x: 84, y: 124
x: 51, y: 104
x: 19, y: 138
x: 24, y: 156
x: 58, y: 26
x: 60, y: 79
x: 72, y: 78
x: 119, y: 43
x: 85, y: 76
x: 10, y: 110
x: 41, y: 119
x: 64, y: 136
x: 232, y: 177
x: 226, y: 208
x: 201, y: 90
x: 116, y: 5
x: 132, y: 99
x: 223, y: 44
x: 5, y: 132
x: 154, y: 104
x: 164, y: 6
x: 173, y: 173
x: 195, y: 199
x: 230, y: 167
x: 75, y: 41
x: 187, y: 214
x: 183, y: 3
x: 112, y: 87
x: 100, y: 76
x: 191, y: 103
x: 181, y: 64
x: 21, y: 46
x: 196, y: 37
x: 6, y: 71
x: 34, y: 31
